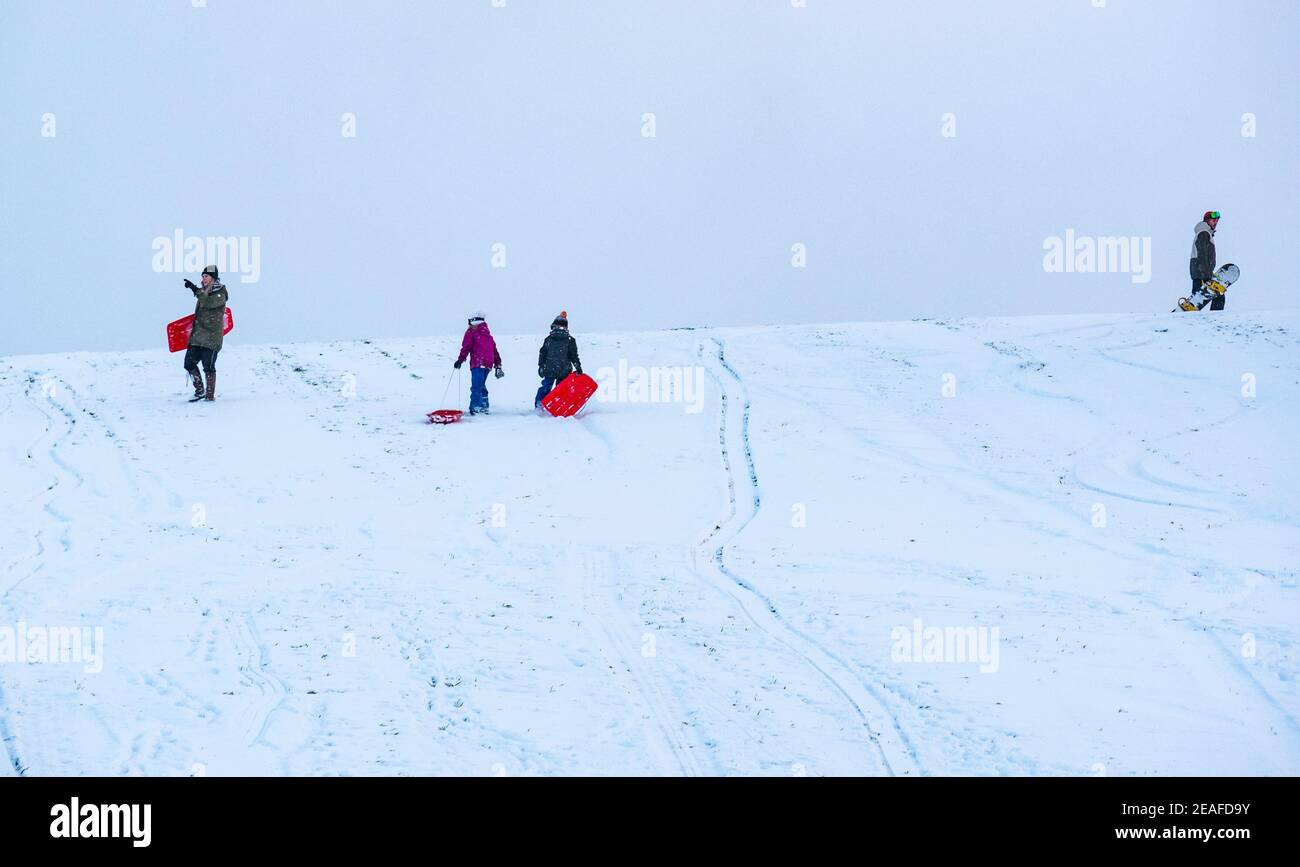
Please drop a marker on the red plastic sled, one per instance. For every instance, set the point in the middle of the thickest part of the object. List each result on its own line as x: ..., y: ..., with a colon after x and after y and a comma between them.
x: 178, y: 332
x: 445, y: 416
x: 569, y: 395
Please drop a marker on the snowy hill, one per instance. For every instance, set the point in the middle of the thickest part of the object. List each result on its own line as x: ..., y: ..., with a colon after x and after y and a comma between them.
x: 1062, y: 545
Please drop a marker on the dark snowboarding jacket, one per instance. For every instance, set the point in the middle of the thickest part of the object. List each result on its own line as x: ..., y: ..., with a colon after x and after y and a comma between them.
x: 209, y: 317
x: 1203, y: 254
x: 558, y: 356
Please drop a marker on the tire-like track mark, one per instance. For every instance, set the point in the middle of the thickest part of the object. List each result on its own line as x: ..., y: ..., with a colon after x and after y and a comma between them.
x: 896, y: 754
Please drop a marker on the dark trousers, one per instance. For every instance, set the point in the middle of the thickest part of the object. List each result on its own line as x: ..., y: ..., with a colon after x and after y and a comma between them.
x: 196, y: 355
x: 1216, y: 301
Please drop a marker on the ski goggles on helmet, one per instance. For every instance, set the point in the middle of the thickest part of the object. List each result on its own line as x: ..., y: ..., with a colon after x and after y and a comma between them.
x: 1211, y: 215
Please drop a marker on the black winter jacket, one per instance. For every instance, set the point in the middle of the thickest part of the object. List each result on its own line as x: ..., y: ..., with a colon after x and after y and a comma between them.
x: 1204, y: 259
x: 558, y: 355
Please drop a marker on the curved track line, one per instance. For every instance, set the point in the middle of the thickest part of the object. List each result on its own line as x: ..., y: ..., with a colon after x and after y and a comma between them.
x: 895, y: 753
x: 254, y: 666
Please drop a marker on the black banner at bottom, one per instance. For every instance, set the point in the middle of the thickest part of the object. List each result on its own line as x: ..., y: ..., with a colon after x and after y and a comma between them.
x: 336, y: 815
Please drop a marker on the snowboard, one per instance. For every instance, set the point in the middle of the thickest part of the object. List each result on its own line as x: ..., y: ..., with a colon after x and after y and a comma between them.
x: 178, y: 332
x: 1216, y: 285
x: 569, y: 395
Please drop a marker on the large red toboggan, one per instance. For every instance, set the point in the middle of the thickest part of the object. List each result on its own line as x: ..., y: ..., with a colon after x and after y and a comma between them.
x: 178, y: 332
x: 569, y: 395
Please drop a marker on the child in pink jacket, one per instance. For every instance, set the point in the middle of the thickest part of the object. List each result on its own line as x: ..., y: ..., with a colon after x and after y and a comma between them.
x: 481, y: 350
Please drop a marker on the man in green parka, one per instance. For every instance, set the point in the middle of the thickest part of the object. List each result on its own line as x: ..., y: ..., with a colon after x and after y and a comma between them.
x: 209, y: 329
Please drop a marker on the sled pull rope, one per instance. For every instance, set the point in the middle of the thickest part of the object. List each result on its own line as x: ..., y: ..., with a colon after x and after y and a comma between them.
x: 442, y: 400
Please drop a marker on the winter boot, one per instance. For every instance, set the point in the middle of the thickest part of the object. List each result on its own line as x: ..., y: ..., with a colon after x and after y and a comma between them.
x: 212, y: 386
x: 198, y: 385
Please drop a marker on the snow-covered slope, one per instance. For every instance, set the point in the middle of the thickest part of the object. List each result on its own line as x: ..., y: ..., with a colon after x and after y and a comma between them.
x: 306, y: 578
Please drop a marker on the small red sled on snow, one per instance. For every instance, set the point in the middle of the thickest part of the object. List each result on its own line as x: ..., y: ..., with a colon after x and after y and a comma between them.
x: 446, y: 416
x: 178, y: 332
x: 569, y: 395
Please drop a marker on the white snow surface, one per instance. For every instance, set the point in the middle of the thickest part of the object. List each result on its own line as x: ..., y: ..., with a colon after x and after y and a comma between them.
x: 307, y: 578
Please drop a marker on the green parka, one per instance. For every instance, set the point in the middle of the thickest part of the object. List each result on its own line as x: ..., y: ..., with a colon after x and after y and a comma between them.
x: 209, y: 317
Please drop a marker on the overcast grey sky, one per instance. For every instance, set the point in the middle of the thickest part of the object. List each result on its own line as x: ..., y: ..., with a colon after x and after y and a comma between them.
x: 774, y: 125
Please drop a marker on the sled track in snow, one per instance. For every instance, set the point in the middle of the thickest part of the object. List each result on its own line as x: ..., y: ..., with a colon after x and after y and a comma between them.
x: 393, y: 357
x: 12, y: 756
x: 1231, y: 657
x: 662, y: 714
x: 128, y: 460
x: 1134, y: 457
x: 253, y: 666
x: 49, y: 389
x: 894, y: 751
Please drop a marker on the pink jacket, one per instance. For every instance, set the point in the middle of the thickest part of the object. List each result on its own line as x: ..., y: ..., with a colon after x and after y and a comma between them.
x: 480, y: 347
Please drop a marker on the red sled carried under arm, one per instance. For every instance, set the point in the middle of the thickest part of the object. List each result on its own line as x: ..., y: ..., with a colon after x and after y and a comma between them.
x: 178, y: 332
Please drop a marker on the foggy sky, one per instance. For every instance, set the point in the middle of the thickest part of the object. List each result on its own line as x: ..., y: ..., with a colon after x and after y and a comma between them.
x: 523, y: 126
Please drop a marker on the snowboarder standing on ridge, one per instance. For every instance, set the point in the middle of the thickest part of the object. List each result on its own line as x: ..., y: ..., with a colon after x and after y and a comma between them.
x: 481, y: 350
x: 1204, y: 257
x: 557, y: 358
x: 208, y: 332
